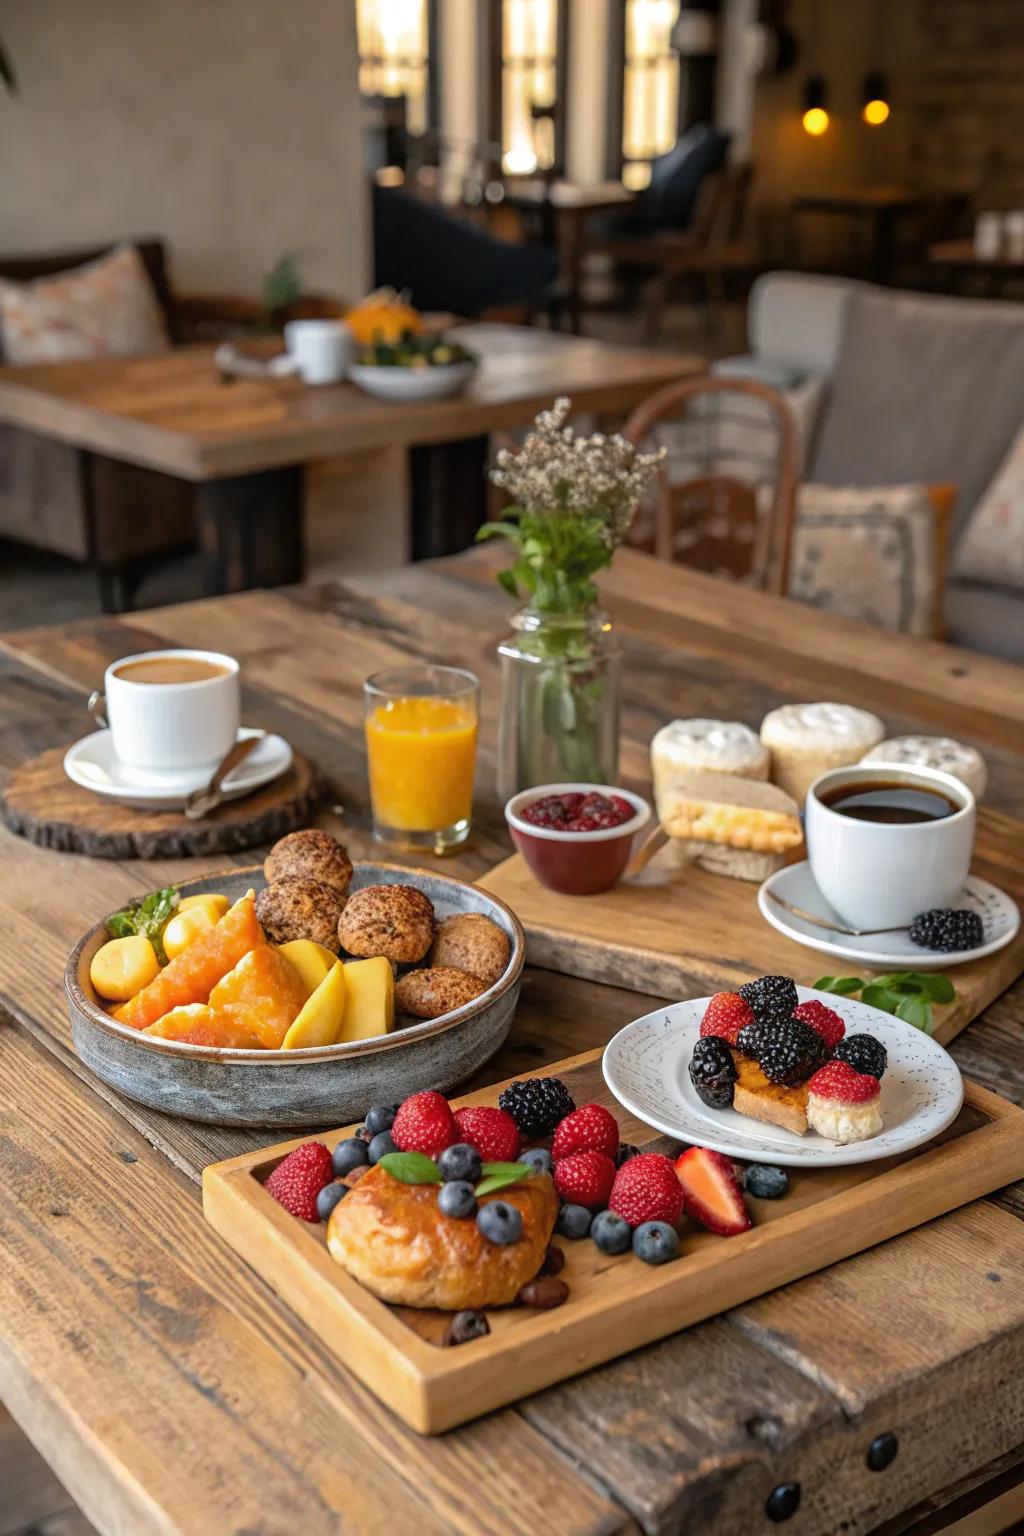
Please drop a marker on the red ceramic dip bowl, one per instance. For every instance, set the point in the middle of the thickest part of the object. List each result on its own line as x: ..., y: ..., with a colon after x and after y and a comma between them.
x: 575, y: 863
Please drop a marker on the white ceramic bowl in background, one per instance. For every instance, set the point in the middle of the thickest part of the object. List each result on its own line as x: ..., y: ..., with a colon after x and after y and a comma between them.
x: 398, y: 383
x: 882, y: 874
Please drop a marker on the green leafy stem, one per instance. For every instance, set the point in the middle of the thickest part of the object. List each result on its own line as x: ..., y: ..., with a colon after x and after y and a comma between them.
x: 907, y: 994
x: 148, y: 917
x: 418, y: 1168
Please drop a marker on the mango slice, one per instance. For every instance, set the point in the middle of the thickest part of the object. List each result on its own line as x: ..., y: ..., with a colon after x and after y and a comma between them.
x: 184, y: 927
x: 312, y: 961
x: 190, y: 977
x: 262, y: 994
x: 217, y: 905
x: 369, y: 999
x: 122, y: 967
x: 319, y: 1021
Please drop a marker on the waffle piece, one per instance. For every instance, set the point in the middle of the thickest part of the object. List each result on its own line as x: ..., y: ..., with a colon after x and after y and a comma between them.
x: 733, y: 813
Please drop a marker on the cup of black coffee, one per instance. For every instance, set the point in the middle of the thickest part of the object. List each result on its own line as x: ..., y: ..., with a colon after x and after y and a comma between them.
x: 886, y: 842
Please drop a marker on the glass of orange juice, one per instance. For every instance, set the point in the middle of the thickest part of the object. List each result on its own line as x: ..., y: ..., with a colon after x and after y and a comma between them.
x: 421, y: 725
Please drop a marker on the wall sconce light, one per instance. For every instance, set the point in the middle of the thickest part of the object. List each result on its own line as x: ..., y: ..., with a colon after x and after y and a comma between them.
x: 815, y: 118
x: 876, y: 109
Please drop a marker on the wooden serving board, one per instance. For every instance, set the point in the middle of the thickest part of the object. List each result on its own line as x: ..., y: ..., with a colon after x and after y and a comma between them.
x: 42, y: 804
x: 698, y: 933
x: 615, y: 1304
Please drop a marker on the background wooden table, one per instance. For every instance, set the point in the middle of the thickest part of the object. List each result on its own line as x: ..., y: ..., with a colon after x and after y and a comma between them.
x: 172, y: 1392
x: 244, y: 441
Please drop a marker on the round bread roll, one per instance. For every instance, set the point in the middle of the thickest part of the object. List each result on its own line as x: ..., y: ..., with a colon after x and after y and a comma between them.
x: 396, y: 921
x: 393, y: 1238
x: 300, y: 909
x: 472, y: 942
x: 439, y: 989
x: 310, y: 855
x: 806, y: 740
x: 723, y: 746
x: 940, y: 752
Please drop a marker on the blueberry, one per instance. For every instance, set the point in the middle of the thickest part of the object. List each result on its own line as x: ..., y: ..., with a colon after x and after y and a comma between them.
x: 499, y: 1222
x: 611, y: 1233
x: 381, y: 1118
x: 380, y: 1146
x: 656, y: 1242
x: 626, y: 1151
x: 456, y: 1198
x: 363, y: 1134
x: 460, y: 1162
x: 765, y: 1182
x: 573, y: 1221
x: 539, y: 1159
x: 466, y: 1326
x: 348, y: 1155
x: 328, y: 1198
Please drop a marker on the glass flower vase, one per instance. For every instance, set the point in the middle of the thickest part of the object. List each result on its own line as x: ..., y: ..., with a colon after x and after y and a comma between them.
x: 561, y: 678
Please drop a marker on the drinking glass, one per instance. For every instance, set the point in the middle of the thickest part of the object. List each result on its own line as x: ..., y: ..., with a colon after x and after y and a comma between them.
x: 421, y: 727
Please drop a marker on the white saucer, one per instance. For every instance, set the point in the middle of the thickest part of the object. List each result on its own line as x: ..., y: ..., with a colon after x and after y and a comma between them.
x: 645, y: 1066
x: 92, y: 764
x: 884, y: 951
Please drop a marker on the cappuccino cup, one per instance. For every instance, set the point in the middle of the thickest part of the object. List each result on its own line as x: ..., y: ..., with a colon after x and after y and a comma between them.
x: 886, y: 842
x: 323, y: 350
x: 171, y: 714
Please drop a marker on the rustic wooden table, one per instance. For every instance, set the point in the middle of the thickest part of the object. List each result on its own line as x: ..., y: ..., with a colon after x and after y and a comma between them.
x: 170, y: 1390
x: 245, y: 441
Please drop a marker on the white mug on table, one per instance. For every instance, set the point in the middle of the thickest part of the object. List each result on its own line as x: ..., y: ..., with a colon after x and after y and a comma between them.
x: 323, y: 349
x: 172, y: 714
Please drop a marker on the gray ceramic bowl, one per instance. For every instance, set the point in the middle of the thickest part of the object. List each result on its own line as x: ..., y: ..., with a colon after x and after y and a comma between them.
x: 322, y: 1085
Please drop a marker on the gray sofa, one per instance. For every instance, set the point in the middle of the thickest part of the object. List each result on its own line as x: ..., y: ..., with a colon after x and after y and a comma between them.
x: 917, y: 388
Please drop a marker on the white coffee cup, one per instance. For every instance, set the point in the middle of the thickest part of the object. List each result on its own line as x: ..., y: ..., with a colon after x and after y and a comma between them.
x: 170, y: 730
x: 323, y: 349
x: 882, y: 874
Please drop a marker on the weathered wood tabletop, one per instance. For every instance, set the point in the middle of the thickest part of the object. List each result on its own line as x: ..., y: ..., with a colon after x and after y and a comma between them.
x: 172, y: 1392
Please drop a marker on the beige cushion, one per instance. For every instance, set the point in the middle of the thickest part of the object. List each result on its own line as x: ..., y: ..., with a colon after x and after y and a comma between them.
x: 105, y: 309
x: 992, y: 548
x: 876, y: 554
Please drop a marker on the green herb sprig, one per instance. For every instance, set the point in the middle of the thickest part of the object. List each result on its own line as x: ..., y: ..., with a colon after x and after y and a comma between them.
x: 148, y: 917
x: 418, y: 1168
x: 907, y: 994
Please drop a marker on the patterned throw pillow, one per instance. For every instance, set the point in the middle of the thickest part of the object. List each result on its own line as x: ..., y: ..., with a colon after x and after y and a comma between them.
x: 992, y: 548
x: 105, y: 309
x: 877, y: 555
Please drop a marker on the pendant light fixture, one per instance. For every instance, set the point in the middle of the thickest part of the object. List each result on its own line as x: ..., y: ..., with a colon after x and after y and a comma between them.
x: 875, y: 108
x: 815, y: 118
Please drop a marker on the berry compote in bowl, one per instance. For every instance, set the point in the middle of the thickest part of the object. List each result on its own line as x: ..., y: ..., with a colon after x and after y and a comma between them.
x: 576, y: 838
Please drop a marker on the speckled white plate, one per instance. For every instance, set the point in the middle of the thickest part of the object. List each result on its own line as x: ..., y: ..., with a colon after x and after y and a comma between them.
x: 645, y: 1066
x: 999, y: 915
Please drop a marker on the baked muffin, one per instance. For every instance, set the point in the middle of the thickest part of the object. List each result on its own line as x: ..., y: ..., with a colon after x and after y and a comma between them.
x: 396, y: 921
x: 394, y: 1240
x: 439, y: 989
x: 300, y: 909
x: 471, y: 942
x: 310, y: 855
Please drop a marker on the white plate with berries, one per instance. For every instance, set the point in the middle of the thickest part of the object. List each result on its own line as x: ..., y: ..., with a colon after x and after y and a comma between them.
x: 837, y: 1082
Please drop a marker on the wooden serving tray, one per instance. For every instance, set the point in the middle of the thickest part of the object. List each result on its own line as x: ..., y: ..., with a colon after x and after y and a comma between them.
x: 615, y: 1304
x: 698, y: 933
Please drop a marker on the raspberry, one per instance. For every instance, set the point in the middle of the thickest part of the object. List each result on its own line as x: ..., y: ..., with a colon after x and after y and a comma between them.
x: 646, y: 1189
x: 591, y: 1128
x: 424, y: 1123
x: 585, y: 1178
x: 823, y: 1020
x: 493, y: 1132
x: 296, y: 1182
x: 726, y: 1014
x: 838, y: 1080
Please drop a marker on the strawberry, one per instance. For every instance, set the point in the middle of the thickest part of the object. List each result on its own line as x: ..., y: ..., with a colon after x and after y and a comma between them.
x: 838, y: 1080
x: 726, y: 1014
x: 591, y: 1128
x: 424, y: 1123
x: 646, y: 1189
x: 299, y: 1178
x: 823, y: 1020
x: 492, y: 1131
x: 585, y: 1178
x: 712, y: 1191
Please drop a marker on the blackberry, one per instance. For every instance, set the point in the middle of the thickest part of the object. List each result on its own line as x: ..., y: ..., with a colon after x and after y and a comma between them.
x: 947, y: 928
x: 790, y: 1051
x: 536, y: 1104
x: 713, y: 1072
x: 771, y: 998
x: 863, y: 1053
x: 749, y: 1039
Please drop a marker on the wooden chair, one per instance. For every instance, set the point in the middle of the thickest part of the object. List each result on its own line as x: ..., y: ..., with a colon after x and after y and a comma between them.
x: 714, y: 519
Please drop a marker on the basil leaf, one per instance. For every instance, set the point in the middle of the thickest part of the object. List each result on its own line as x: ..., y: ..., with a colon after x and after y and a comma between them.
x: 916, y: 1011
x: 411, y: 1168
x: 842, y: 985
x: 939, y: 988
x: 498, y: 1175
x: 906, y: 988
x: 880, y: 997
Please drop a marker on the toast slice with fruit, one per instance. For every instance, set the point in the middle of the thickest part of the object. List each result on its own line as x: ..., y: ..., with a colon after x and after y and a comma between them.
x: 774, y: 1103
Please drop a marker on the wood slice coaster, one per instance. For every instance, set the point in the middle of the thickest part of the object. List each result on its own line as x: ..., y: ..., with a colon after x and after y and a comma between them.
x: 42, y: 804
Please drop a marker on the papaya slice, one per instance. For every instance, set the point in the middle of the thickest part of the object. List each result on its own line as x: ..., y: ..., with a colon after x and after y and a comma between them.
x: 191, y: 976
x: 199, y: 1024
x: 262, y: 994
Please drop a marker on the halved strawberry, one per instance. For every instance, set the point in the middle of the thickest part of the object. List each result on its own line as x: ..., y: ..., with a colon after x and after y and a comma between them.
x: 711, y: 1191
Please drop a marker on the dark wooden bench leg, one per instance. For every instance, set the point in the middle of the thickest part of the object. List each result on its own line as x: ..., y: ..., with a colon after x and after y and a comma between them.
x: 448, y: 486
x: 250, y: 530
x: 117, y: 585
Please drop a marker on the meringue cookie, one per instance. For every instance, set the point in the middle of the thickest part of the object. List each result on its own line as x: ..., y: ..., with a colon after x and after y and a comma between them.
x: 940, y: 752
x: 806, y: 740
